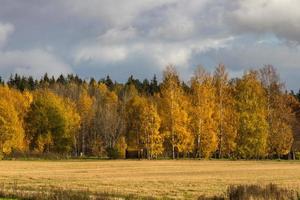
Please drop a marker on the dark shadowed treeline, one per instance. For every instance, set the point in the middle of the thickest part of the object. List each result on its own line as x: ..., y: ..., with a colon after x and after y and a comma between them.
x: 211, y: 115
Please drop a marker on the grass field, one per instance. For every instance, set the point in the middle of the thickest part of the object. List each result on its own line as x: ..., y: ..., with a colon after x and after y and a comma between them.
x: 167, y: 178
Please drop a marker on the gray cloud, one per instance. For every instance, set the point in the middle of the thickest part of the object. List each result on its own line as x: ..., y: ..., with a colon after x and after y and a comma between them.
x: 112, y: 12
x: 268, y: 16
x: 240, y: 57
x: 35, y: 62
x: 5, y: 31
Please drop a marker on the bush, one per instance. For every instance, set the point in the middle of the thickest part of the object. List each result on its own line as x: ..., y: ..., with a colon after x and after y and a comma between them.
x: 271, y: 192
x: 255, y: 192
x: 297, y: 155
x: 112, y: 153
x: 121, y: 146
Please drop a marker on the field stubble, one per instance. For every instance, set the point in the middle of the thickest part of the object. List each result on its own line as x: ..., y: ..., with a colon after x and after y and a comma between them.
x: 162, y: 178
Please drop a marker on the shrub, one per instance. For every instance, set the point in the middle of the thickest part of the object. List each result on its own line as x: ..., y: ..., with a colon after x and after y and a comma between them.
x: 271, y: 191
x: 297, y: 155
x: 255, y: 192
x: 112, y: 153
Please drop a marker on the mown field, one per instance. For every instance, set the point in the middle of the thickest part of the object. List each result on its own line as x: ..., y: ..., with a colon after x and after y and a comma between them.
x: 181, y: 179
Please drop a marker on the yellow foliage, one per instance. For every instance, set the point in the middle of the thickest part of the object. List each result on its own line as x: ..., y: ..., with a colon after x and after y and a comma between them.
x: 252, y: 112
x: 11, y: 130
x: 173, y: 112
x: 226, y: 113
x: 203, y: 113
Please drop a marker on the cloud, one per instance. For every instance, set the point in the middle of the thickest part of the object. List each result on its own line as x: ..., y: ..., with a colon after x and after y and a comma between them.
x: 171, y: 40
x: 34, y: 62
x: 271, y: 16
x: 106, y: 48
x: 116, y: 35
x: 178, y: 27
x: 105, y: 54
x: 5, y: 30
x: 180, y: 53
x: 161, y: 53
x: 113, y: 12
x: 239, y: 57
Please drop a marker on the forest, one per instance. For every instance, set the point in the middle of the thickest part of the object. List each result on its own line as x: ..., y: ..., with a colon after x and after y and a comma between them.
x: 211, y: 115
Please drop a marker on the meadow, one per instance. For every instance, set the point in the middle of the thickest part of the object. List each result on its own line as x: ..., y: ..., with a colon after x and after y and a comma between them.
x: 178, y: 179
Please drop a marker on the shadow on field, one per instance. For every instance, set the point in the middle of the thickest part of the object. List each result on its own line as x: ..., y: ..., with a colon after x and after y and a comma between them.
x: 256, y: 192
x: 238, y: 192
x: 16, y: 193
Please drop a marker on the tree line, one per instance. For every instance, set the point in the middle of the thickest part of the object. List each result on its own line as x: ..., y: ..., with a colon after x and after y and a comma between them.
x: 211, y: 115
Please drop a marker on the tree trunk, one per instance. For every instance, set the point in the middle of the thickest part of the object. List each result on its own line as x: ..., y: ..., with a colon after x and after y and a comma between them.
x: 148, y: 149
x: 82, y: 144
x: 198, y: 155
x: 220, y: 148
x: 173, y: 151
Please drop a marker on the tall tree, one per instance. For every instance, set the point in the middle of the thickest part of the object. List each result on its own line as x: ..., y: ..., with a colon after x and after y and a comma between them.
x: 173, y: 113
x: 279, y: 114
x: 20, y: 102
x: 226, y: 113
x: 134, y: 110
x: 252, y: 109
x: 108, y: 120
x: 203, y: 113
x: 150, y: 124
x: 11, y: 129
x: 87, y: 113
x: 154, y: 87
x: 51, y: 123
x: 143, y: 126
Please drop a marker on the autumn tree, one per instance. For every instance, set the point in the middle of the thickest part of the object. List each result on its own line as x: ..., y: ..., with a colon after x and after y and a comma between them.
x: 15, y: 105
x: 280, y: 116
x: 174, y: 114
x: 226, y: 115
x: 281, y: 134
x: 134, y: 111
x: 203, y: 113
x: 252, y: 111
x: 150, y: 124
x: 108, y: 121
x: 293, y: 102
x: 11, y: 130
x: 20, y: 100
x: 51, y: 123
x: 143, y: 126
x: 87, y: 114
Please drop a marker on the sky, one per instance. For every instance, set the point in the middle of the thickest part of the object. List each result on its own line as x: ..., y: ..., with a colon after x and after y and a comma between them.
x: 95, y: 38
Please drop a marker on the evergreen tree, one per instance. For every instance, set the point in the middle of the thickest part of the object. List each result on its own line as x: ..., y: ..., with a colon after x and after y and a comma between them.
x: 154, y: 87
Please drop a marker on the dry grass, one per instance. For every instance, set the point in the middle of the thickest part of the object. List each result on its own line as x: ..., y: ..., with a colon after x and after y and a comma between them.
x: 167, y: 178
